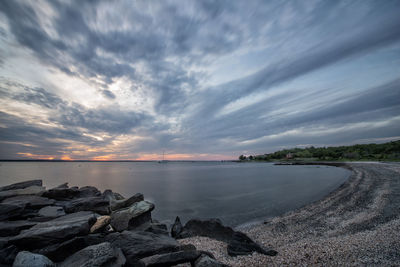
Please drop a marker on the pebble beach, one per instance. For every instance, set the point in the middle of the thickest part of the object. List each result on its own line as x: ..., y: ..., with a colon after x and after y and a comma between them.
x: 357, y: 224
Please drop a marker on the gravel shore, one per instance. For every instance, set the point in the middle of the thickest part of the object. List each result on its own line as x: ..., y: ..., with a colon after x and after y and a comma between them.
x: 357, y: 224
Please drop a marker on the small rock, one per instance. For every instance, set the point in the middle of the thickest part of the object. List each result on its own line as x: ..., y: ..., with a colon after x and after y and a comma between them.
x: 176, y: 228
x: 26, y: 258
x: 100, y: 224
x: 102, y: 254
x: 212, y: 228
x: 241, y: 244
x: 206, y: 261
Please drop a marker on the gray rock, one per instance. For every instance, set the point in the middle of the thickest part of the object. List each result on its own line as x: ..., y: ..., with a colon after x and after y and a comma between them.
x: 31, y: 190
x: 59, y: 252
x: 7, y: 255
x: 171, y: 259
x: 61, y: 186
x: 55, y: 231
x: 21, y: 185
x: 132, y: 217
x: 29, y: 201
x: 212, y: 228
x: 176, y: 228
x: 100, y: 224
x: 10, y: 228
x: 120, y: 204
x: 8, y: 211
x: 26, y: 258
x: 89, y: 191
x: 241, y: 244
x: 62, y: 193
x: 137, y: 245
x: 95, y: 204
x: 206, y: 261
x: 102, y: 254
x: 51, y: 212
x: 157, y: 228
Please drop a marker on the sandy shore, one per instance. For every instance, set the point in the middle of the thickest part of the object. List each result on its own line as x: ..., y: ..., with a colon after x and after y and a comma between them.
x: 357, y: 224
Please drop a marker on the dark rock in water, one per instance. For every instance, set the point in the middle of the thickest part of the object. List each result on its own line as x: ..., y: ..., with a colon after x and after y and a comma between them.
x: 61, y: 251
x: 89, y: 191
x: 212, y: 228
x: 206, y: 261
x: 62, y: 193
x: 132, y: 217
x: 55, y: 231
x: 51, y: 212
x: 95, y: 204
x: 102, y: 254
x: 241, y: 244
x: 120, y: 204
x: 100, y: 224
x: 137, y: 245
x: 8, y: 254
x: 21, y: 185
x: 171, y: 259
x: 10, y: 228
x: 8, y: 211
x: 26, y: 258
x: 29, y: 201
x: 176, y: 227
x: 31, y: 190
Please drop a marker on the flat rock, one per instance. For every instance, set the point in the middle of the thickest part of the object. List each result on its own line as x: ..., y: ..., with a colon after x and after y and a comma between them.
x: 95, y: 204
x: 176, y: 228
x: 212, y: 228
x: 9, y: 211
x: 137, y: 245
x: 21, y: 185
x: 26, y: 258
x: 10, y: 228
x: 241, y: 244
x: 55, y: 231
x: 112, y: 196
x: 51, y: 212
x: 60, y: 251
x: 100, y: 224
x: 29, y: 201
x: 132, y: 217
x: 171, y: 259
x: 102, y: 254
x: 31, y: 190
x: 123, y: 203
x: 89, y: 191
x: 206, y: 261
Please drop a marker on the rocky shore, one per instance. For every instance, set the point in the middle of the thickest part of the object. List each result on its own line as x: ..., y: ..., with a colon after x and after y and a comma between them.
x: 71, y: 226
x: 357, y: 224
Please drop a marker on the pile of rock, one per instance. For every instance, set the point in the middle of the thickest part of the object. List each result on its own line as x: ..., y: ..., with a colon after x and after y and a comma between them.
x: 71, y: 226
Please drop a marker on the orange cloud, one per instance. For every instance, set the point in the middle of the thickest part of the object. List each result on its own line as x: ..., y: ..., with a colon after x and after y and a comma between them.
x: 35, y: 156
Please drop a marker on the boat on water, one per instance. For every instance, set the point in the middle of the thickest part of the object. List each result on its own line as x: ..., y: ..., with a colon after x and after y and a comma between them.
x: 163, y: 158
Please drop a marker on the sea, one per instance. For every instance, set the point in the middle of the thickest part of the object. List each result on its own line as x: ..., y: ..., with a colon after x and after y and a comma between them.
x: 236, y: 193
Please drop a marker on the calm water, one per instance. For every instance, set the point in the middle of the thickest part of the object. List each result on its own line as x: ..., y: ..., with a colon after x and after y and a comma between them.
x: 236, y: 193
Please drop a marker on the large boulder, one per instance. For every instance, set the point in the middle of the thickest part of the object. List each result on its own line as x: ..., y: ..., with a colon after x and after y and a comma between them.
x: 89, y: 191
x: 95, y: 204
x: 55, y: 231
x: 241, y: 244
x: 171, y: 259
x: 176, y: 228
x: 10, y: 228
x: 137, y: 245
x: 21, y: 185
x: 132, y: 217
x: 62, y: 193
x: 102, y: 254
x: 26, y: 258
x: 206, y: 261
x: 31, y: 190
x: 212, y: 228
x: 123, y: 203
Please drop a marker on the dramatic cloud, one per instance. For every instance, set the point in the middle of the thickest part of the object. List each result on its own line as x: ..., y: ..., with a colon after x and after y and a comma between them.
x: 198, y: 79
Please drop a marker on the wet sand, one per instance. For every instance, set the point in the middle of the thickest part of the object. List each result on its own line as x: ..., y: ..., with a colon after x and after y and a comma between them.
x: 357, y: 224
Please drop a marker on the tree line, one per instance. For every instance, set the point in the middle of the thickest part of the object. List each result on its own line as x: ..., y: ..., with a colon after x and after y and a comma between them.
x: 386, y: 151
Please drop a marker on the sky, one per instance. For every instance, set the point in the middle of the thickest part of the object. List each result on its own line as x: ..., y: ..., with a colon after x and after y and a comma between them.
x: 198, y: 80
